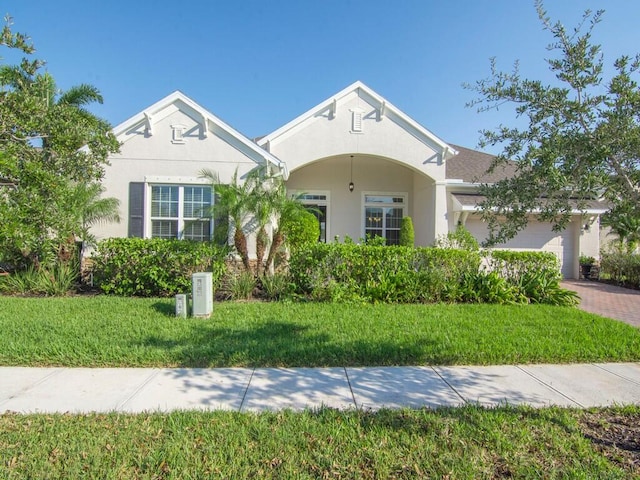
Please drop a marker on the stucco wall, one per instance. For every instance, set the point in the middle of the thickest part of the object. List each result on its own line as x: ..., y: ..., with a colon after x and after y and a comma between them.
x: 144, y: 155
x: 326, y: 136
x: 370, y: 174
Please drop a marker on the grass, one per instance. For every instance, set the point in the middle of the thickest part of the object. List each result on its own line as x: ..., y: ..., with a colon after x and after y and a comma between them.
x: 109, y: 331
x: 462, y: 443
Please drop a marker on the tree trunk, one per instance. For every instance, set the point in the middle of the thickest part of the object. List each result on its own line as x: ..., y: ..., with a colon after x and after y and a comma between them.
x: 278, y: 240
x: 262, y: 239
x: 240, y: 242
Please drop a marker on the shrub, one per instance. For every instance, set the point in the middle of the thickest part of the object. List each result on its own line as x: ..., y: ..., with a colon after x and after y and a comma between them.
x: 407, y: 234
x: 351, y: 272
x: 536, y: 276
x: 240, y: 286
x: 154, y: 267
x: 58, y: 280
x: 276, y: 286
x: 302, y: 233
x: 380, y: 274
x: 621, y: 266
x: 460, y: 239
x: 489, y: 287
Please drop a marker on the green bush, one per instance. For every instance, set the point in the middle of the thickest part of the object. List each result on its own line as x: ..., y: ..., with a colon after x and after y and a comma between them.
x: 489, y: 287
x: 240, y: 286
x: 461, y: 238
x: 380, y: 274
x: 303, y: 232
x: 154, y: 267
x: 621, y: 266
x: 276, y: 286
x: 57, y: 280
x: 407, y: 235
x: 536, y: 276
x: 372, y: 273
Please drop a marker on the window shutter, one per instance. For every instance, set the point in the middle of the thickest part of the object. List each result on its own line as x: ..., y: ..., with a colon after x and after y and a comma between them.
x: 136, y: 209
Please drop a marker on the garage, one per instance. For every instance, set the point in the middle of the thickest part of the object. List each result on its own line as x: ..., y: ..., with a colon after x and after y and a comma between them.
x: 539, y: 236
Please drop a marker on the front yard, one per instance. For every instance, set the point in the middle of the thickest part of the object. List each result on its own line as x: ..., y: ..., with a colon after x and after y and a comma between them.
x: 466, y: 442
x: 131, y: 332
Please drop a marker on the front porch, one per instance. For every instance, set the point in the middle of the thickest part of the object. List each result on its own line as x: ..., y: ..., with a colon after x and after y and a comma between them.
x: 359, y: 195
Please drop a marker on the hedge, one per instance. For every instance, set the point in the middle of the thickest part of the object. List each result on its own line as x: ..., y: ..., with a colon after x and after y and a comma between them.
x: 347, y: 271
x: 153, y: 267
x: 352, y: 272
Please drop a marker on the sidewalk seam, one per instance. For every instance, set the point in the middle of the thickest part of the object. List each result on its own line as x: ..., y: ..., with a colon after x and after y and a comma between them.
x: 549, y: 386
x: 154, y: 374
x: 246, y: 390
x: 353, y: 396
x: 636, y: 382
x: 56, y: 371
x: 449, y: 385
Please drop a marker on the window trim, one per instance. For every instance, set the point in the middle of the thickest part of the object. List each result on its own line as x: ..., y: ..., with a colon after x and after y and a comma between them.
x: 326, y: 203
x: 364, y: 205
x: 150, y: 183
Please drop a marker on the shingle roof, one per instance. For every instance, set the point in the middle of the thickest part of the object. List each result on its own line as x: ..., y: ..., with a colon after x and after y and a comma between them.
x: 471, y: 166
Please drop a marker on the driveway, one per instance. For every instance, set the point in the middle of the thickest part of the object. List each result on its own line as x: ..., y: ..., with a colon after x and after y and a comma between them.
x: 607, y: 300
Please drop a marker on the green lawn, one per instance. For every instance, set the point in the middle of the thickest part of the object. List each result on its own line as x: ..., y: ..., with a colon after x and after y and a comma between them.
x: 110, y: 331
x: 462, y: 443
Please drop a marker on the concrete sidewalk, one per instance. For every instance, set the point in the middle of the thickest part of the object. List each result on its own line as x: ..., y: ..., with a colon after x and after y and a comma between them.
x: 79, y: 390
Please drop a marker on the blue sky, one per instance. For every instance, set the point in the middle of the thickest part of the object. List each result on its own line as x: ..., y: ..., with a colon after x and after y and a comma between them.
x: 259, y: 64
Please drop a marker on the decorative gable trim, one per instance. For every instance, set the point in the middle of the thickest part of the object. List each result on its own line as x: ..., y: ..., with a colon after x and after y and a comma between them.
x: 386, y: 110
x: 209, y: 122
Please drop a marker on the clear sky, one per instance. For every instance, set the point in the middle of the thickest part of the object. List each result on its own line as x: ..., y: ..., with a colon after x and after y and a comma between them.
x: 259, y: 64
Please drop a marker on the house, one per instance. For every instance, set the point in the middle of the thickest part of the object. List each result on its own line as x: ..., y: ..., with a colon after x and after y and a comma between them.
x: 362, y: 162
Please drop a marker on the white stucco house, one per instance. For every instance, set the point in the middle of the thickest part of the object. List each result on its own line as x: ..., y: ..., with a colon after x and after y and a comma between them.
x: 359, y: 160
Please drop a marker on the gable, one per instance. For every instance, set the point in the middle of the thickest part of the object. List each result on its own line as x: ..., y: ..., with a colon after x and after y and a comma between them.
x: 178, y: 128
x: 360, y: 122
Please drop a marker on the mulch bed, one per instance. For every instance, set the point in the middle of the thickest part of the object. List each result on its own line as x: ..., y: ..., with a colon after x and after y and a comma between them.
x: 616, y: 436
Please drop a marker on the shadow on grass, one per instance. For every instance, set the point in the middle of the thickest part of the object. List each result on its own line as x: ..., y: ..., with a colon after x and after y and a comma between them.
x: 284, y: 344
x: 168, y: 309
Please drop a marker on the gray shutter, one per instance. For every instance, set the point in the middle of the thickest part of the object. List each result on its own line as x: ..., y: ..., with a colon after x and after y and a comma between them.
x: 136, y: 209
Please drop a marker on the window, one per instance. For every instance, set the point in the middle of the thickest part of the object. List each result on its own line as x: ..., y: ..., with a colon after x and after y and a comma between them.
x: 317, y: 203
x: 383, y: 216
x: 180, y: 212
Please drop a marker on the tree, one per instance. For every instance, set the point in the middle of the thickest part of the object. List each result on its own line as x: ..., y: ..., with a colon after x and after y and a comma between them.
x: 49, y: 144
x: 581, y: 141
x: 287, y: 210
x: 625, y: 225
x: 233, y: 201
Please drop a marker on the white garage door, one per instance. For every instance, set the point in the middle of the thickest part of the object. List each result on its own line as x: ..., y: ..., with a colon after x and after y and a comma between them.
x: 537, y: 236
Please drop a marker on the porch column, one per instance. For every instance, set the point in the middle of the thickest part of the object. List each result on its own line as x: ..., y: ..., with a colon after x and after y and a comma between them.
x: 441, y: 223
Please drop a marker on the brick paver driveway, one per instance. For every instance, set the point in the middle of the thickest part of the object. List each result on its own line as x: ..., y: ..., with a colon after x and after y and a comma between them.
x: 607, y: 300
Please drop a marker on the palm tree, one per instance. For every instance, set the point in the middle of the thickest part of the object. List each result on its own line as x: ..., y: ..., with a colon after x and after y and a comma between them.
x: 233, y: 200
x: 286, y: 211
x: 624, y: 223
x: 92, y: 209
x: 84, y: 207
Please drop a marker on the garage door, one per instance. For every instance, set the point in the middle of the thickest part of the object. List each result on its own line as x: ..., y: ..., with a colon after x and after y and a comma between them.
x: 537, y: 236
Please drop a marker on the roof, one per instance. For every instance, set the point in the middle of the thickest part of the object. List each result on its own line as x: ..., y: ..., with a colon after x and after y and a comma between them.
x: 468, y: 202
x: 417, y: 130
x: 148, y: 117
x: 471, y: 166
